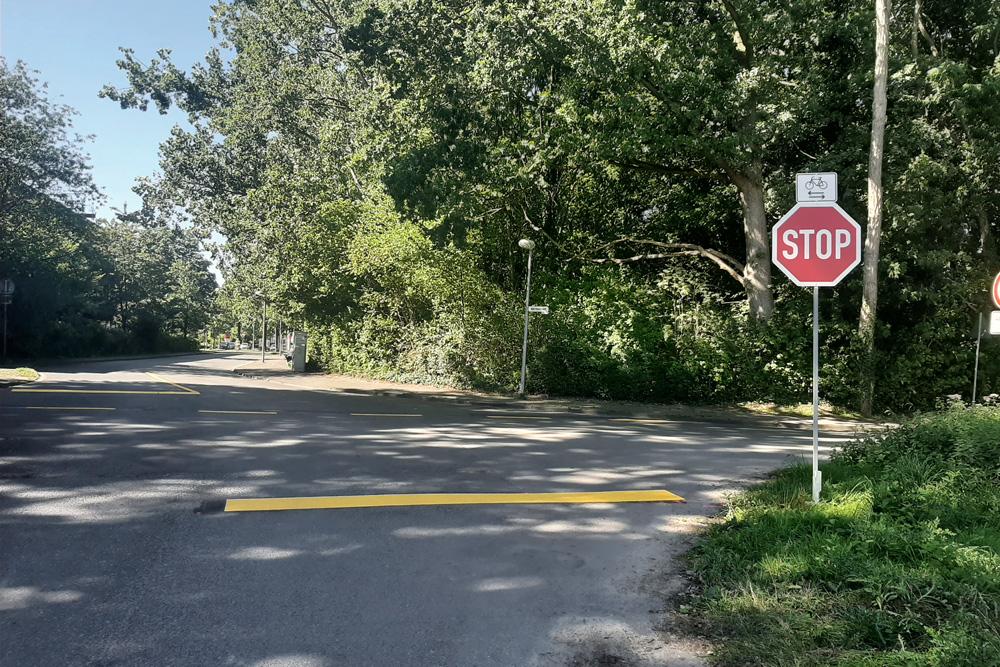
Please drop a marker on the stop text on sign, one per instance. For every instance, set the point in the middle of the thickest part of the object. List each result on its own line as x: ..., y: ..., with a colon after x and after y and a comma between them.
x: 816, y: 244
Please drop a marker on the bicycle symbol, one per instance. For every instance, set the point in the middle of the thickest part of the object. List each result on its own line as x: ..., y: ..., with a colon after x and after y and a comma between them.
x: 816, y: 182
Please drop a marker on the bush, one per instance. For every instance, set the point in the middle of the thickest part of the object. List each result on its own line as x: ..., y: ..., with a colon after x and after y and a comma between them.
x: 898, y: 565
x: 427, y: 315
x: 966, y: 438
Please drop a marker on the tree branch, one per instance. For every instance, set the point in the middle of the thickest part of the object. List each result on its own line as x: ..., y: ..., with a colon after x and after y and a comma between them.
x: 725, y: 262
x: 548, y: 237
x: 744, y: 47
x: 645, y: 165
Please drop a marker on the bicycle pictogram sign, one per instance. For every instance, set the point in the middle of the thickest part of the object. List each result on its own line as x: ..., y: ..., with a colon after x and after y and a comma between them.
x: 816, y: 187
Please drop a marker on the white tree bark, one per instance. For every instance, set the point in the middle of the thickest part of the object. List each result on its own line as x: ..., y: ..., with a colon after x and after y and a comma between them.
x: 873, y: 236
x: 757, y: 270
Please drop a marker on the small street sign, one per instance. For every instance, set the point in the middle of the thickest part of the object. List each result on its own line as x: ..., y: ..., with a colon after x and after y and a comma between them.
x: 6, y: 287
x: 995, y: 323
x: 816, y: 245
x: 817, y: 187
x: 996, y: 291
x: 543, y: 310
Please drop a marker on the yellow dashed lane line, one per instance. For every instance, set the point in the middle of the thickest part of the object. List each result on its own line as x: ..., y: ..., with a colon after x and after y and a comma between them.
x: 185, y: 391
x: 424, y: 499
x: 174, y: 384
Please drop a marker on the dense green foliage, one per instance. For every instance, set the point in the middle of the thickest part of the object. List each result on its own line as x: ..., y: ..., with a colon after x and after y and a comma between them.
x: 372, y: 165
x: 84, y: 287
x: 898, y: 565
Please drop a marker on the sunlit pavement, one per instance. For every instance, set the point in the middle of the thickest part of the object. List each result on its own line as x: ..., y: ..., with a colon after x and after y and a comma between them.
x: 113, y: 551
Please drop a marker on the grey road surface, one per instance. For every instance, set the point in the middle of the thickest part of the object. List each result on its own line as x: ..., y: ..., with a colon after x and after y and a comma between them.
x: 112, y: 553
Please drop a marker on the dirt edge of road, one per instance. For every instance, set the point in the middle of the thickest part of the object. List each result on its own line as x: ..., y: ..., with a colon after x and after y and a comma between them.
x: 275, y: 370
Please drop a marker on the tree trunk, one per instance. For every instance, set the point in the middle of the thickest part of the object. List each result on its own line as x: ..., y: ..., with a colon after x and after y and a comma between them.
x: 873, y: 237
x: 986, y: 248
x: 757, y: 271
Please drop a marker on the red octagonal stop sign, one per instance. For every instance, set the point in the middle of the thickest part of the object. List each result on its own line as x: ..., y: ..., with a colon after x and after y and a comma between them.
x: 816, y: 245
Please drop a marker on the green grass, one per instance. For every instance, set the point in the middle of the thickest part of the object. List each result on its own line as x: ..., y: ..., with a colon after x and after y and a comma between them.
x: 799, y: 410
x: 18, y: 374
x: 899, y: 564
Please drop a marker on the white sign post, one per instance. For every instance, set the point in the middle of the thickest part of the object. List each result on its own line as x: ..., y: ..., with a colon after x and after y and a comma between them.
x: 6, y: 296
x: 979, y: 339
x: 994, y: 330
x: 541, y: 310
x: 816, y: 244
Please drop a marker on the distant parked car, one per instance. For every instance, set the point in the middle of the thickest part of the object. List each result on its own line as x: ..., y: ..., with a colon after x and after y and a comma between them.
x: 244, y: 346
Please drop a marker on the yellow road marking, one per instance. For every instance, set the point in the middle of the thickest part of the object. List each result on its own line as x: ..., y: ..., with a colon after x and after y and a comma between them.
x: 240, y: 412
x: 517, y: 417
x: 640, y: 420
x: 384, y: 414
x: 533, y: 411
x: 186, y: 391
x: 57, y: 407
x: 24, y: 390
x: 179, y: 386
x: 418, y: 499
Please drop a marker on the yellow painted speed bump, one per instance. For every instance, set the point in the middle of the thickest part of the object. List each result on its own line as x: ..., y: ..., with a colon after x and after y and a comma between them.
x: 385, y: 414
x: 424, y: 499
x: 63, y: 407
x: 518, y: 417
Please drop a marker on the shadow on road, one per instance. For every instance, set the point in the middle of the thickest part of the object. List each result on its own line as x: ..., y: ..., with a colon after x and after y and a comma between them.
x: 102, y: 538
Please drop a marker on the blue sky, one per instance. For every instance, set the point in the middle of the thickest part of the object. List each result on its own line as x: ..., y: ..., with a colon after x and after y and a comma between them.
x: 74, y: 45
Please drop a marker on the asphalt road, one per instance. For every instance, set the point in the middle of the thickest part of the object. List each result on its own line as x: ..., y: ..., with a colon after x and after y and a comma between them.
x: 111, y: 552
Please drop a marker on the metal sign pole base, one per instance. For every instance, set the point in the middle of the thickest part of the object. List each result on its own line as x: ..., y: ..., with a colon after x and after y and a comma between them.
x: 817, y: 476
x: 975, y: 369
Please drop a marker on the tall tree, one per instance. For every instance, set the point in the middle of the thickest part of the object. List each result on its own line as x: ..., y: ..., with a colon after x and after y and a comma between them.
x: 873, y: 235
x: 41, y: 159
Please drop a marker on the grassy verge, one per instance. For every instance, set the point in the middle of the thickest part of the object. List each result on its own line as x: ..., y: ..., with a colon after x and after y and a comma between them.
x: 898, y: 565
x: 18, y: 374
x: 799, y: 410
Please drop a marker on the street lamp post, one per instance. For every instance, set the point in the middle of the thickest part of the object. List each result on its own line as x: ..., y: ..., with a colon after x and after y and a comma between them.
x: 263, y: 326
x: 529, y: 245
x: 6, y: 295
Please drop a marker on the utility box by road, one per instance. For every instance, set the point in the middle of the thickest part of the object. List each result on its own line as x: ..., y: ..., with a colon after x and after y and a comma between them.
x: 299, y: 351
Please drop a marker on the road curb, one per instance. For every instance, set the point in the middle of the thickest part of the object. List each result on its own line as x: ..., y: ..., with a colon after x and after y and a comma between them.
x: 651, y: 414
x: 15, y: 383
